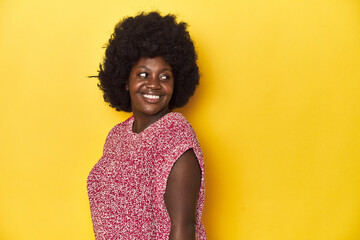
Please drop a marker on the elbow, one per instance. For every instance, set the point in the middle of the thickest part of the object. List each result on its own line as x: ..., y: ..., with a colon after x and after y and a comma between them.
x: 184, y: 230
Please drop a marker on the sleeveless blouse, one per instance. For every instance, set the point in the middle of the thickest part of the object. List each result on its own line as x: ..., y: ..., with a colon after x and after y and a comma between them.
x: 126, y: 186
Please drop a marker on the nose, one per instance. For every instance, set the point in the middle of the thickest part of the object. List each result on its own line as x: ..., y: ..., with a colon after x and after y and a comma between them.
x: 153, y: 82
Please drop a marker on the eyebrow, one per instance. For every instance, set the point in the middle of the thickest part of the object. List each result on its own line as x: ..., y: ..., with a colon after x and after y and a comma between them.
x: 163, y: 70
x: 141, y: 66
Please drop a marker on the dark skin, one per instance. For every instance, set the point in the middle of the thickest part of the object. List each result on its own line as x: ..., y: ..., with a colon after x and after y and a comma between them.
x: 181, y: 196
x: 150, y: 87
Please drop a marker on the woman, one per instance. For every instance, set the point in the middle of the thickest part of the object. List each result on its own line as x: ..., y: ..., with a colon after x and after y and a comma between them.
x: 149, y: 183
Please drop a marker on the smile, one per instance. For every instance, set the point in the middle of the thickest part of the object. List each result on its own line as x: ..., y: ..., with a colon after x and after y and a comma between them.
x: 151, y: 96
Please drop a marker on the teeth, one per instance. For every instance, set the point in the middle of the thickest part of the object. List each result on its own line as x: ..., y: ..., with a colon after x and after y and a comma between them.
x: 151, y: 96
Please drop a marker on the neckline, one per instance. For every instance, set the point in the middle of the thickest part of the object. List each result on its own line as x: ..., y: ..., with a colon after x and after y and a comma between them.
x: 148, y: 128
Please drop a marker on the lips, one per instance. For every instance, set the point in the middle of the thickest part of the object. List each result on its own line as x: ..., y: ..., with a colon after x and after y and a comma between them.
x: 151, y: 98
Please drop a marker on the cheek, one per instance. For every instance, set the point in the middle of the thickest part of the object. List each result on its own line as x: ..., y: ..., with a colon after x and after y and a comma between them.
x: 170, y: 88
x: 135, y: 86
x: 133, y: 90
x: 169, y: 92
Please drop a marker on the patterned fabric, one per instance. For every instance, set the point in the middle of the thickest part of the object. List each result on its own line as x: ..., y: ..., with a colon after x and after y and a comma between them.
x: 126, y: 186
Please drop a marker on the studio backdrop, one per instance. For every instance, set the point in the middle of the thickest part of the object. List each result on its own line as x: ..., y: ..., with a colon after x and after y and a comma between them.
x: 277, y: 114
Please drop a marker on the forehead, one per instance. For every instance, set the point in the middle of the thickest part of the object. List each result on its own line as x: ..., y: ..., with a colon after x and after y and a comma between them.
x: 156, y: 63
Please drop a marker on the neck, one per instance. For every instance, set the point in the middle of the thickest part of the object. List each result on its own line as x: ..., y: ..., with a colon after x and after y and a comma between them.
x: 142, y: 121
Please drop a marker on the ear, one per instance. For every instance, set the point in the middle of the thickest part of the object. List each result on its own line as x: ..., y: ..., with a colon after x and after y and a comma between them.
x: 127, y: 86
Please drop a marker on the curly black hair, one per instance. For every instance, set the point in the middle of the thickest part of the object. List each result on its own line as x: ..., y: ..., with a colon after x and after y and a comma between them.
x: 148, y: 35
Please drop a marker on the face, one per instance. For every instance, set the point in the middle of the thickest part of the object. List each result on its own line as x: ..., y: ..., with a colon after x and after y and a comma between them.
x: 150, y: 85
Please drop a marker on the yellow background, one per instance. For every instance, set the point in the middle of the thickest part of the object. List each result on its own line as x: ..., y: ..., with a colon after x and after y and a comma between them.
x: 277, y: 114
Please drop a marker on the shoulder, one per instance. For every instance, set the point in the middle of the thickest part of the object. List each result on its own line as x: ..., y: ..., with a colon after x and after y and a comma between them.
x: 121, y: 128
x: 176, y: 122
x: 175, y: 132
x: 118, y: 135
x: 175, y: 126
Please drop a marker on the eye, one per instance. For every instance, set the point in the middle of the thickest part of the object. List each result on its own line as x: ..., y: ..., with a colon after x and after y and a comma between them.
x: 143, y: 74
x: 165, y: 77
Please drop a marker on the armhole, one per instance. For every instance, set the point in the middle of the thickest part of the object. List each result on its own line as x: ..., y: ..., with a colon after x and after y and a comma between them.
x: 197, y: 160
x: 172, y: 159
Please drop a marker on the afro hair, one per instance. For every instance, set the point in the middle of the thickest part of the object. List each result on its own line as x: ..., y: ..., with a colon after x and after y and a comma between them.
x: 148, y: 35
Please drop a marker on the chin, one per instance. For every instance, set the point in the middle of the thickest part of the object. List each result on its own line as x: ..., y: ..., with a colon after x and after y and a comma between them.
x: 155, y: 111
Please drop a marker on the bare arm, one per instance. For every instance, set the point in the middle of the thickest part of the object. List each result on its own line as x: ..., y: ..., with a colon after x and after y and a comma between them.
x: 181, y: 195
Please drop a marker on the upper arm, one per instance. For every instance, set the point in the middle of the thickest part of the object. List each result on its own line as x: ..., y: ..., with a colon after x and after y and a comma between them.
x: 181, y: 195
